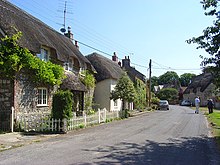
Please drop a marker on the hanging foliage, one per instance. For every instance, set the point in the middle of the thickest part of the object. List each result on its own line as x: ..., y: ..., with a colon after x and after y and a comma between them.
x: 14, y: 59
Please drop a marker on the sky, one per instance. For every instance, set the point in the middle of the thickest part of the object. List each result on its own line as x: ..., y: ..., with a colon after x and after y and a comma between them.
x: 140, y: 29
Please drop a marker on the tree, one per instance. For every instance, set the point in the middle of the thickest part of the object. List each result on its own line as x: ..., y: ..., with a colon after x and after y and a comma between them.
x: 186, y: 78
x: 124, y: 90
x: 169, y: 77
x: 154, y: 82
x: 169, y: 94
x: 210, y: 39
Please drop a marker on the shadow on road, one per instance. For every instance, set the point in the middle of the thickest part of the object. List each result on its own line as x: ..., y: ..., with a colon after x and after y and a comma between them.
x: 175, y: 151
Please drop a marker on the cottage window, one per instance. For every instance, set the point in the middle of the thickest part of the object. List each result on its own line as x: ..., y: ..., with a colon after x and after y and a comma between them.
x: 44, y: 54
x: 69, y: 65
x: 42, y: 97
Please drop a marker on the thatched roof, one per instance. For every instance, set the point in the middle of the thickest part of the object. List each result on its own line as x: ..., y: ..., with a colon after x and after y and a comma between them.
x: 106, y: 68
x: 131, y: 71
x: 202, y: 81
x: 72, y: 82
x: 133, y: 74
x: 36, y: 33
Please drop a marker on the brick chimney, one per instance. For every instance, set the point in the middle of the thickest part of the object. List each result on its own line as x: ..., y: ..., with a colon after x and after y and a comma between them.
x: 114, y: 57
x: 126, y: 62
x: 69, y: 34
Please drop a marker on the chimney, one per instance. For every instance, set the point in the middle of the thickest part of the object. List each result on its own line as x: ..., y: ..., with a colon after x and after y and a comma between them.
x: 69, y: 34
x: 126, y: 62
x: 114, y: 57
x: 76, y: 44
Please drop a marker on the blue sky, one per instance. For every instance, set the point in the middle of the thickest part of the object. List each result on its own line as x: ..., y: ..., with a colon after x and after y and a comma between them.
x: 141, y: 29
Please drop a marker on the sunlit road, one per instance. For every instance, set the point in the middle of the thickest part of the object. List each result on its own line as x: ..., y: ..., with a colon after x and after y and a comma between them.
x: 178, y: 136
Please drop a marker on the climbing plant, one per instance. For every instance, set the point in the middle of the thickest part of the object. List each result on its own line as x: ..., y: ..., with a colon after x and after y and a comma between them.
x: 15, y: 59
x: 140, y: 99
x: 89, y: 80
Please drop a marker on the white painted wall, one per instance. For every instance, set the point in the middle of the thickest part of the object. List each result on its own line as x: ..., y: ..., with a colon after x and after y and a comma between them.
x: 102, y: 95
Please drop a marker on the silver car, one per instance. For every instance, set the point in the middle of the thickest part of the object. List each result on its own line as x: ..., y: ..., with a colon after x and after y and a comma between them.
x: 163, y: 104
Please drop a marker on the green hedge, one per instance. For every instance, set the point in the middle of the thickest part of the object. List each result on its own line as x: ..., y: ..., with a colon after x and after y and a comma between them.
x: 62, y: 105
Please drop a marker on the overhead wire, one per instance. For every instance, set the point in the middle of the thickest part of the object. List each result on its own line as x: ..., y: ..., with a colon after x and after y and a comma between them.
x: 102, y: 40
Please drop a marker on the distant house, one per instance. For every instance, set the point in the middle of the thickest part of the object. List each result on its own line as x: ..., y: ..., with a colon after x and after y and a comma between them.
x: 136, y: 77
x: 28, y: 98
x: 131, y: 71
x: 202, y: 86
x: 108, y: 73
x: 157, y: 88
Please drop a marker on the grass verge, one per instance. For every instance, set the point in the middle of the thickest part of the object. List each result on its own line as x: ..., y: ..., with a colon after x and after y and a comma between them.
x: 214, y: 121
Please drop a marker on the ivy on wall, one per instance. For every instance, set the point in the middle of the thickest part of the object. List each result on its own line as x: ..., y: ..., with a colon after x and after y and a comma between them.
x: 14, y: 59
x: 140, y: 100
x: 88, y: 79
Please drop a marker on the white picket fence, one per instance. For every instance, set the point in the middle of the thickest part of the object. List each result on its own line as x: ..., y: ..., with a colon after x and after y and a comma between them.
x: 53, y: 125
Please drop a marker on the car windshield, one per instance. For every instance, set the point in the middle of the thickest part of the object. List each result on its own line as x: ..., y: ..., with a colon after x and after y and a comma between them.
x: 163, y: 102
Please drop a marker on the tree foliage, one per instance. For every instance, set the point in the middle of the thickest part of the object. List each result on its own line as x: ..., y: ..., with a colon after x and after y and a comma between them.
x: 14, y: 59
x: 186, y: 78
x: 154, y: 82
x: 168, y: 78
x: 210, y: 39
x: 169, y: 94
x: 124, y: 90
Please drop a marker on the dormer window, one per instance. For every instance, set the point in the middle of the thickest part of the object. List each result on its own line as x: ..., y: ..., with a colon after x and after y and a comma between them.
x: 69, y: 65
x: 44, y: 54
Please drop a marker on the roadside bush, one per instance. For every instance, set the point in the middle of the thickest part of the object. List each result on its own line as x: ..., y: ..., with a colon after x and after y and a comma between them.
x: 155, y: 100
x: 170, y: 94
x: 62, y: 105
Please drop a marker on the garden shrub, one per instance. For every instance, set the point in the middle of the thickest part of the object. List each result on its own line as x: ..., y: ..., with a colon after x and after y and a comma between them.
x: 62, y: 105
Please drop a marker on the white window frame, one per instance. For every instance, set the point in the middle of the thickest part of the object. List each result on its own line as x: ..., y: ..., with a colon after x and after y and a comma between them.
x: 44, y: 54
x: 69, y: 65
x: 42, y: 97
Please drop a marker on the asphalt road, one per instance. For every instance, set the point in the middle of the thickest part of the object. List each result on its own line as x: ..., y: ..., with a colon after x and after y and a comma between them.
x: 174, y: 137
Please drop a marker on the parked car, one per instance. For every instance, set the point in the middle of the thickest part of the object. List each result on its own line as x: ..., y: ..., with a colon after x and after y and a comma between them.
x: 186, y: 103
x: 163, y: 104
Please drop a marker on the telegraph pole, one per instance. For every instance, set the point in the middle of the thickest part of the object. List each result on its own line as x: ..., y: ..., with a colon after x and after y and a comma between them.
x: 149, y: 101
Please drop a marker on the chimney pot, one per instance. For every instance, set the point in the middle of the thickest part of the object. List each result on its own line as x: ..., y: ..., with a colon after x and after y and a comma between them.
x: 69, y: 34
x: 114, y: 57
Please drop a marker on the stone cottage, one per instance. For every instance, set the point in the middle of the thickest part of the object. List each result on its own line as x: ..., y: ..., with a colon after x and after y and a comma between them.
x: 28, y: 98
x: 202, y: 86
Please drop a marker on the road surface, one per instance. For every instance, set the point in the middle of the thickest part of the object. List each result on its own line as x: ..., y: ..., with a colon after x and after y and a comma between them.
x: 177, y: 136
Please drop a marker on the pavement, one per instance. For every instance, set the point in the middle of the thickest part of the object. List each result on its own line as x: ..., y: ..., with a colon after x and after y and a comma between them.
x: 19, y: 139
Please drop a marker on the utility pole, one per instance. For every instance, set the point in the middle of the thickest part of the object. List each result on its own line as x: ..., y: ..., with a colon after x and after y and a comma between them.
x: 149, y: 101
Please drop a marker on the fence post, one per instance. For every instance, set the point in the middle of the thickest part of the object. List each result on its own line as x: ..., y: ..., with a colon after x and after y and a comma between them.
x: 84, y: 118
x: 12, y: 119
x: 104, y: 114
x: 65, y: 127
x: 99, y: 115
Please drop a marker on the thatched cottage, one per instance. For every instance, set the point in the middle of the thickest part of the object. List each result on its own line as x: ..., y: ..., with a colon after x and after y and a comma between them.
x: 202, y: 86
x: 47, y: 44
x: 108, y: 72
